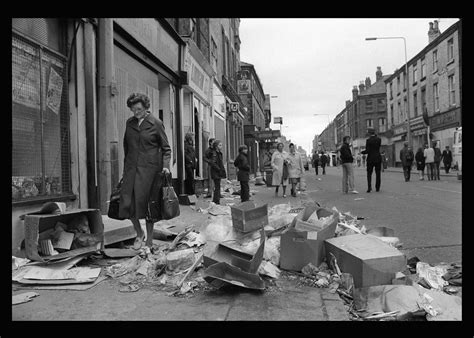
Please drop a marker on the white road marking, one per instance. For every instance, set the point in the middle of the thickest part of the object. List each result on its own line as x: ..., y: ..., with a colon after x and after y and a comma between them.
x: 456, y: 192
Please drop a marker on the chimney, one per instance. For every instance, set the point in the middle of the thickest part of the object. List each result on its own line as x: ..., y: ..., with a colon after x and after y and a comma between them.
x: 348, y: 102
x: 367, y: 82
x: 361, y: 87
x: 434, y: 31
x: 354, y: 93
x: 378, y: 74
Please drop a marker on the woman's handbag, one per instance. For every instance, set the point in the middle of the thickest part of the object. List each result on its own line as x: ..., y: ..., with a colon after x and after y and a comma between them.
x: 169, y: 200
x: 114, y: 203
x: 285, y: 171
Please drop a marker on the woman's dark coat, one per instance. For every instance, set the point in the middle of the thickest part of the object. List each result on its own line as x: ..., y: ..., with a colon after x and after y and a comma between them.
x: 147, y: 152
x: 242, y: 163
x: 217, y: 165
x: 420, y: 160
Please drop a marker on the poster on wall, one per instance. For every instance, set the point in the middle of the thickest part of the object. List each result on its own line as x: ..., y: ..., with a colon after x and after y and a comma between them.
x: 25, y: 75
x: 243, y: 82
x: 53, y: 95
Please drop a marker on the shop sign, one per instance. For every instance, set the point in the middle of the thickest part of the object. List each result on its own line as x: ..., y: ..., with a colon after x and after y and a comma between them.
x: 267, y: 134
x: 419, y: 132
x: 243, y: 82
x: 445, y: 119
x: 400, y: 130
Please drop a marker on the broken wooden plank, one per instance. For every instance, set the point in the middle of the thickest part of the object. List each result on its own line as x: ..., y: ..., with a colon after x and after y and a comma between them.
x: 191, y: 269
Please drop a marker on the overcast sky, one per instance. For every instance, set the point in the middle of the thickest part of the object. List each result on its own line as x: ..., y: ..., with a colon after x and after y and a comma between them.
x: 312, y: 64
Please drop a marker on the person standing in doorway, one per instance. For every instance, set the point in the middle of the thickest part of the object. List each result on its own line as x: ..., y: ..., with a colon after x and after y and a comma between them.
x: 437, y: 160
x: 420, y: 163
x: 428, y: 153
x: 406, y: 157
x: 315, y: 161
x: 447, y: 159
x: 280, y: 169
x: 243, y: 175
x: 189, y: 163
x: 324, y: 160
x: 206, y: 158
x: 347, y: 169
x: 217, y: 169
x: 295, y: 168
x: 147, y: 155
x: 374, y: 159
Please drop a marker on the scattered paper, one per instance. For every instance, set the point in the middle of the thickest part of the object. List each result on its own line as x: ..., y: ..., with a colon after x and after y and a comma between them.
x: 23, y: 297
x: 359, y: 198
x: 432, y: 275
x: 81, y: 273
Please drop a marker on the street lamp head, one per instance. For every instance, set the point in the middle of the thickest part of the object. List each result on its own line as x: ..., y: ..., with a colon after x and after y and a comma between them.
x: 369, y: 39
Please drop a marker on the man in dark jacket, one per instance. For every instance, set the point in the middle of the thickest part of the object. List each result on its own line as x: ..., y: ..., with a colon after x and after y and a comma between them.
x: 374, y: 159
x: 324, y: 160
x: 447, y: 158
x: 242, y: 163
x: 217, y: 169
x: 189, y: 163
x: 406, y: 157
x: 207, y: 157
x: 347, y: 169
x: 437, y: 160
x: 315, y: 161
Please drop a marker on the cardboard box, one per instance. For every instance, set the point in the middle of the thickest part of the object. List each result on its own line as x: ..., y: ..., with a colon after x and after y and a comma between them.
x: 35, y: 224
x: 369, y: 260
x: 246, y: 217
x: 298, y: 248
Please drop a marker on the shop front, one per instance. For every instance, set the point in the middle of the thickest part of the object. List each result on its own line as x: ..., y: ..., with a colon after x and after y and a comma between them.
x: 443, y: 126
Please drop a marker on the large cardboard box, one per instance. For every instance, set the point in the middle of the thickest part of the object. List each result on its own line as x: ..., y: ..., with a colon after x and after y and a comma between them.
x: 298, y: 248
x: 369, y: 260
x: 247, y: 217
x: 35, y: 224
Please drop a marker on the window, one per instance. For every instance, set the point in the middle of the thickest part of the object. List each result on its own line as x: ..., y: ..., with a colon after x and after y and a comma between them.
x: 391, y: 90
x: 405, y: 106
x: 382, y: 125
x: 398, y: 84
x: 368, y: 104
x: 415, y: 74
x: 400, y: 112
x: 415, y: 104
x: 450, y: 50
x: 193, y: 29
x: 214, y: 54
x: 40, y: 121
x: 452, y: 91
x: 423, y: 68
x: 391, y: 114
x: 435, y: 61
x: 369, y: 123
x: 436, y: 97
x: 423, y: 99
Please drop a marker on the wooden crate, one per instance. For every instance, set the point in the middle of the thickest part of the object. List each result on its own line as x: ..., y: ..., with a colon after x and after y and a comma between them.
x: 246, y: 217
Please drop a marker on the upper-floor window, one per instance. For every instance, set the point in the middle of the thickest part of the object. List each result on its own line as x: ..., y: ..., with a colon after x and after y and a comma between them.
x: 368, y: 104
x: 450, y: 49
x: 382, y: 125
x: 391, y: 90
x: 398, y: 84
x: 452, y: 90
x: 435, y: 60
x: 423, y: 99
x: 415, y: 104
x: 436, y: 96
x: 415, y: 73
x: 214, y: 58
x: 369, y: 123
x: 391, y: 114
x: 423, y: 68
x: 400, y: 112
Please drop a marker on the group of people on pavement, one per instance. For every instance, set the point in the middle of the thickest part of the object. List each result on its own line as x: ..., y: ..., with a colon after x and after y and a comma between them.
x: 429, y: 157
x: 287, y: 168
x: 319, y: 159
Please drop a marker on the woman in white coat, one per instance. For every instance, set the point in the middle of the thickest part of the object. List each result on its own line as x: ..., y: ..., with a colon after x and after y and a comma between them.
x: 295, y: 167
x: 279, y: 161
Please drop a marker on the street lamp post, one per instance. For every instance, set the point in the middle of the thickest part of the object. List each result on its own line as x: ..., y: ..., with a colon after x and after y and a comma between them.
x: 407, y: 83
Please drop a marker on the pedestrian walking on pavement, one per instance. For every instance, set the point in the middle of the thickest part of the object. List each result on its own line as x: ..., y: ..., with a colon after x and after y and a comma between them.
x: 347, y: 167
x: 243, y: 175
x: 406, y: 157
x: 295, y: 168
x: 374, y: 159
x: 147, y: 154
x: 280, y: 174
x: 384, y: 161
x: 447, y: 159
x: 364, y: 157
x: 420, y: 163
x: 428, y: 153
x: 323, y: 158
x: 217, y: 169
x: 189, y: 163
x: 206, y: 158
x: 358, y: 159
x: 315, y: 161
x: 437, y: 160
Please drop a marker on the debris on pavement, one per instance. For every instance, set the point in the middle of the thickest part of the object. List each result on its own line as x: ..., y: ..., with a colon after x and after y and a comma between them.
x: 23, y: 297
x: 180, y: 260
x: 433, y: 276
x: 19, y: 262
x: 247, y: 217
x: 129, y: 288
x: 117, y: 252
x: 266, y: 268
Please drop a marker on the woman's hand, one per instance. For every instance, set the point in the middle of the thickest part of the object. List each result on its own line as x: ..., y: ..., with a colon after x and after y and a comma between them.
x: 166, y: 171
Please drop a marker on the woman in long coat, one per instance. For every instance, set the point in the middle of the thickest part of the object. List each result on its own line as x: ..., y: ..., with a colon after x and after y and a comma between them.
x: 295, y: 168
x: 147, y: 154
x: 279, y: 157
x: 189, y: 163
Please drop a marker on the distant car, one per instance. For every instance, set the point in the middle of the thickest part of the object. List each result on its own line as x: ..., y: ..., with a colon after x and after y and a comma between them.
x: 305, y: 162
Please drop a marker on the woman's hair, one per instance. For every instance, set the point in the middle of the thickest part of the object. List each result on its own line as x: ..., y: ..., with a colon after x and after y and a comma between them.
x: 279, y: 144
x: 420, y: 149
x: 136, y: 98
x: 215, y: 144
x: 242, y: 147
x: 345, y: 138
x: 189, y: 137
x: 211, y: 141
x: 291, y: 145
